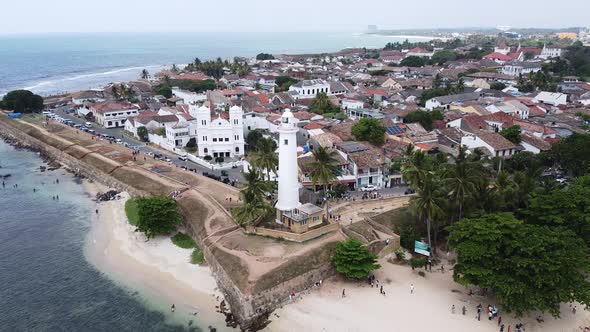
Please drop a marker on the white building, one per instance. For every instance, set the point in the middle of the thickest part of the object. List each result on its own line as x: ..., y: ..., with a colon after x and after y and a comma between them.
x: 110, y: 114
x: 352, y: 104
x: 516, y: 68
x: 220, y: 135
x: 551, y: 98
x: 288, y: 199
x: 309, y: 88
x: 189, y: 97
x: 550, y: 52
x: 496, y: 144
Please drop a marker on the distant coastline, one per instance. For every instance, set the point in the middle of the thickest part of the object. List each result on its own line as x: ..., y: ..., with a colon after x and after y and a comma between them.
x: 68, y: 63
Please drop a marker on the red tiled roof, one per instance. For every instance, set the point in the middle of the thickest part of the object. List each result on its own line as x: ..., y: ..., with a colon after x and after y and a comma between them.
x: 502, y: 57
x: 313, y: 125
x: 108, y: 106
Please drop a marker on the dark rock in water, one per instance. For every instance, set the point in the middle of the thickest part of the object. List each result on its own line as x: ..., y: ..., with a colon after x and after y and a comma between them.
x: 108, y: 196
x: 42, y: 168
x: 5, y: 176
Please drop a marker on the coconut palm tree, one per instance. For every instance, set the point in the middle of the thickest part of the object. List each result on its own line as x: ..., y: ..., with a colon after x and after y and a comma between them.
x: 255, y: 206
x: 265, y: 157
x: 461, y: 178
x: 323, y: 169
x: 428, y: 203
x: 415, y: 167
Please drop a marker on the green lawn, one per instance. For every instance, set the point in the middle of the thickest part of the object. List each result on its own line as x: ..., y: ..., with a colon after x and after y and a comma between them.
x: 197, y: 257
x: 184, y: 241
x: 132, y: 211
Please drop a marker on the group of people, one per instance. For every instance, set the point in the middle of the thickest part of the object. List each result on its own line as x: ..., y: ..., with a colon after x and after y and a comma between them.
x: 374, y: 282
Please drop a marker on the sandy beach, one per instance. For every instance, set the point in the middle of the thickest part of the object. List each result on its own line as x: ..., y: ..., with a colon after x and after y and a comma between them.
x: 427, y: 309
x: 157, y: 270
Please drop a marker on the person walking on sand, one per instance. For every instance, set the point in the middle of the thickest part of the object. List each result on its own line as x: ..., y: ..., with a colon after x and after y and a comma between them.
x: 574, y: 310
x: 343, y: 293
x: 453, y: 309
x: 411, y: 288
x: 464, y: 310
x: 502, y: 328
x: 173, y: 307
x: 500, y: 320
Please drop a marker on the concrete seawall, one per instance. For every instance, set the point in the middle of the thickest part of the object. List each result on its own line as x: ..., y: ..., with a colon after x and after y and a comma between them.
x: 250, y: 302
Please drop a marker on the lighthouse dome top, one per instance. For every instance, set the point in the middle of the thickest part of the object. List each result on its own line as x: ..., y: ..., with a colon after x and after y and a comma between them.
x: 287, y: 119
x: 203, y: 108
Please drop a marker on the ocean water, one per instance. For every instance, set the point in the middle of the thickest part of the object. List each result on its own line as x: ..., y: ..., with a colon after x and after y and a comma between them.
x: 57, y: 63
x: 46, y: 284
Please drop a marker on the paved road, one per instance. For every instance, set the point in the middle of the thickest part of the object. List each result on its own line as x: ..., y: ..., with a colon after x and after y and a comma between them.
x: 233, y: 174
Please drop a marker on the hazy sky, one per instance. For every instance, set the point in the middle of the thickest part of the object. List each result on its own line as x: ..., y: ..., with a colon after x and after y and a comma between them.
x: 34, y: 16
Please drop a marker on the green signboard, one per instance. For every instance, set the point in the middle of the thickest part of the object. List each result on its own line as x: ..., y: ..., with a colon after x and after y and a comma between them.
x: 421, y: 248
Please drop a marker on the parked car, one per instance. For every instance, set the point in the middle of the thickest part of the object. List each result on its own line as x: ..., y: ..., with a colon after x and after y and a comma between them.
x: 88, y: 124
x: 369, y: 188
x: 182, y: 157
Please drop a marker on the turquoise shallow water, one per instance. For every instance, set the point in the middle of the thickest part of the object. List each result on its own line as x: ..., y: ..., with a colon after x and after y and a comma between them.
x: 49, y: 64
x: 46, y: 284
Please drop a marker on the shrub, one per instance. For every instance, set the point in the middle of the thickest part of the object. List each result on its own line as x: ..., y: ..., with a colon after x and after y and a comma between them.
x: 400, y: 254
x: 197, y: 257
x: 422, y: 274
x: 417, y: 262
x: 184, y: 241
x: 132, y: 212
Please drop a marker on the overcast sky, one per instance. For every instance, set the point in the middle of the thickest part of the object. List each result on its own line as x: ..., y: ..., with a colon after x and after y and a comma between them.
x: 35, y: 16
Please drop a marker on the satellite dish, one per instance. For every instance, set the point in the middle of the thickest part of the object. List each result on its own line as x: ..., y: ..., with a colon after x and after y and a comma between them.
x: 503, y: 28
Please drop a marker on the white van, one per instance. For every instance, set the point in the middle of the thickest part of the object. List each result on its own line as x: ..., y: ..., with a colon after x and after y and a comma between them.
x: 182, y: 157
x: 88, y: 124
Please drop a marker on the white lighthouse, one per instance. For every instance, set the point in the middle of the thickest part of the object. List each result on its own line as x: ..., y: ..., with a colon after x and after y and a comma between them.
x: 288, y: 179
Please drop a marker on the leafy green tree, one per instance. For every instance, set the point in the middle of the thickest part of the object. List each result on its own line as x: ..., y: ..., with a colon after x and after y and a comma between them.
x: 284, y: 82
x: 265, y: 157
x: 252, y: 139
x: 512, y: 134
x: 194, y: 86
x: 529, y: 267
x: 369, y: 129
x: 412, y: 61
x: 353, y: 260
x: 164, y: 90
x: 321, y: 104
x: 572, y: 154
x: 264, y: 56
x: 157, y: 215
x: 443, y: 56
x: 425, y: 118
x: 567, y: 206
x: 497, y: 86
x: 22, y: 101
x: 142, y: 133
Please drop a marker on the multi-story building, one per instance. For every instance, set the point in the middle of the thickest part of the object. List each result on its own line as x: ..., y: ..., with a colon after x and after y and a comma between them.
x: 309, y: 88
x: 516, y: 68
x: 111, y: 114
x: 218, y: 134
x: 550, y: 52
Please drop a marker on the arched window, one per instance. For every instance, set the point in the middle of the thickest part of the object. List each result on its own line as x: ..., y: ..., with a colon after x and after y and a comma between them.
x: 237, y: 150
x: 205, y: 150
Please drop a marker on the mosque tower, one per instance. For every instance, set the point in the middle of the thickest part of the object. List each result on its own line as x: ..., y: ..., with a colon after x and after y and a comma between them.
x: 288, y: 177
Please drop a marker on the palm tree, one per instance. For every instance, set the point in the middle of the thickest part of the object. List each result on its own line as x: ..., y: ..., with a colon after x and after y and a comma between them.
x: 115, y: 92
x: 265, y: 156
x: 323, y: 168
x: 461, y: 179
x: 321, y: 104
x: 174, y: 68
x: 428, y: 203
x: 253, y: 196
x: 145, y: 74
x: 415, y: 168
